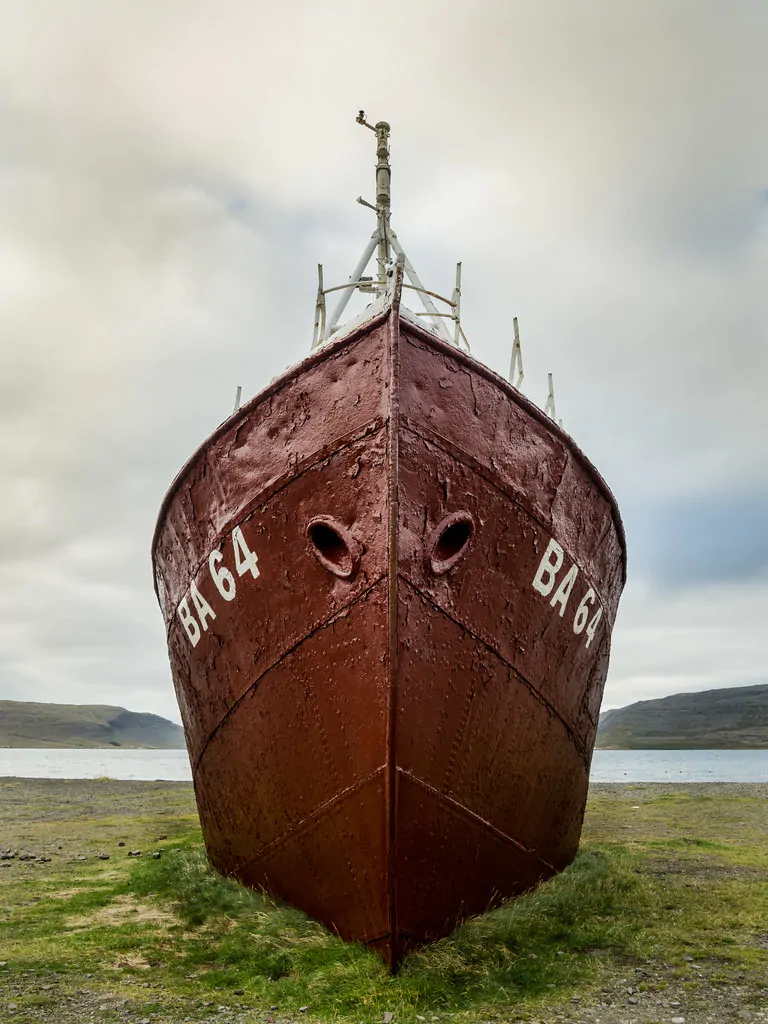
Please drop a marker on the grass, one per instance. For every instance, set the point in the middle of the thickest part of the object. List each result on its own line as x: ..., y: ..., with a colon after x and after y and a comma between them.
x: 662, y: 878
x: 524, y: 949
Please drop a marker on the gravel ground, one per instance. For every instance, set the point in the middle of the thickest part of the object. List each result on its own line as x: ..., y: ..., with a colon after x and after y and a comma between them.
x: 623, y: 1002
x: 630, y: 791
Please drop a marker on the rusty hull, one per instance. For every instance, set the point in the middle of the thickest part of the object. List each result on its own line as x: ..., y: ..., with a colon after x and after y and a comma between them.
x: 387, y: 729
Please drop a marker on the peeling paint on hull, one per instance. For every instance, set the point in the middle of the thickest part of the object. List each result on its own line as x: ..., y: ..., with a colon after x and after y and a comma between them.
x: 389, y: 725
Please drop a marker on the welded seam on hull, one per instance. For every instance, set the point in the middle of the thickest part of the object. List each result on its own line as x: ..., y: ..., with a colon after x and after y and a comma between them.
x: 310, y: 819
x: 289, y: 650
x: 566, y: 464
x: 272, y: 490
x: 466, y: 460
x: 405, y: 933
x: 578, y: 744
x: 366, y: 940
x: 476, y: 818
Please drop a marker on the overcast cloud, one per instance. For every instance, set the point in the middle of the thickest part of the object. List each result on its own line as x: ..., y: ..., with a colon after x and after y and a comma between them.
x: 171, y: 173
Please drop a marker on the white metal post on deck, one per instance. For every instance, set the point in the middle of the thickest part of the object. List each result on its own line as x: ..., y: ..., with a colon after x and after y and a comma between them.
x: 319, y: 332
x: 517, y: 360
x: 549, y: 408
x: 456, y: 301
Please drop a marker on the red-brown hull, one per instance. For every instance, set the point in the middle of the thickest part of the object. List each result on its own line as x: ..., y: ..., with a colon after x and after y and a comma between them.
x: 399, y: 748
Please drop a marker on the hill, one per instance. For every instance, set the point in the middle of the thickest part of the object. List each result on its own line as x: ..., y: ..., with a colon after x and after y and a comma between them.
x: 25, y: 724
x: 730, y: 719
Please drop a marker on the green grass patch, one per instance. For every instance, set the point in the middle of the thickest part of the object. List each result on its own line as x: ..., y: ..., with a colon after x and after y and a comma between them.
x: 524, y: 950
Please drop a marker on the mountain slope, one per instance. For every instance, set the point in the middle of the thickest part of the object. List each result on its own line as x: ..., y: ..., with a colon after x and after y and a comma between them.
x: 26, y: 724
x: 712, y: 719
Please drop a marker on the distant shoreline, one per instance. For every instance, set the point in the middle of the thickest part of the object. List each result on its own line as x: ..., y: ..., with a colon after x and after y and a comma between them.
x: 29, y: 725
x: 731, y: 718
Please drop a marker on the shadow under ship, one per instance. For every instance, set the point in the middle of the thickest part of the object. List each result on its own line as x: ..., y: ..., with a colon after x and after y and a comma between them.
x: 389, y: 583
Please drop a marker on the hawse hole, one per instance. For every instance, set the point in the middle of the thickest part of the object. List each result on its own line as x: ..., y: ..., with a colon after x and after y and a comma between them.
x: 449, y: 541
x: 333, y: 546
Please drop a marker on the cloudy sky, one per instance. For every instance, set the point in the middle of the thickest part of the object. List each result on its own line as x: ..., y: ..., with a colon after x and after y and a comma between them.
x: 171, y: 173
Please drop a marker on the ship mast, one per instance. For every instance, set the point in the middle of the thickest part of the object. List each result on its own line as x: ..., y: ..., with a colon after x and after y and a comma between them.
x: 384, y: 242
x: 383, y: 197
